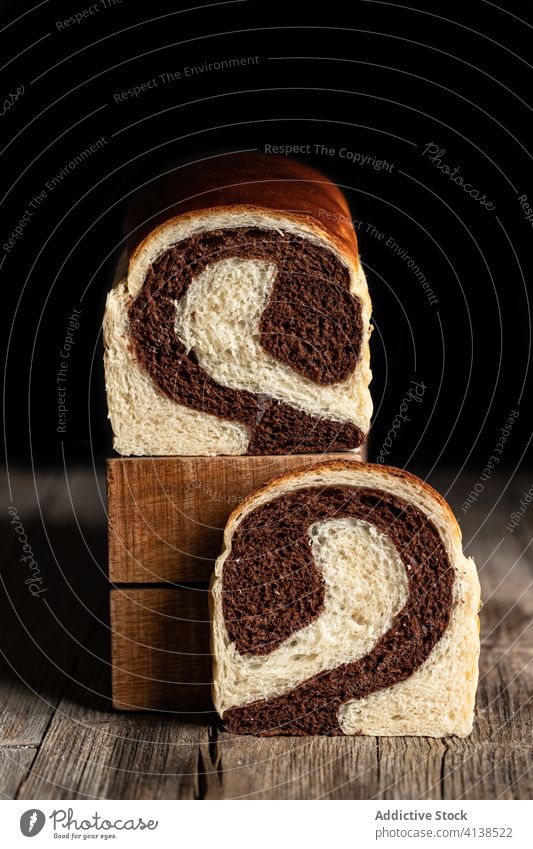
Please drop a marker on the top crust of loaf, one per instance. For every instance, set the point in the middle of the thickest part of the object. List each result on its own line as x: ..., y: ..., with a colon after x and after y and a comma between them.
x: 224, y: 217
x: 246, y: 182
x: 379, y: 476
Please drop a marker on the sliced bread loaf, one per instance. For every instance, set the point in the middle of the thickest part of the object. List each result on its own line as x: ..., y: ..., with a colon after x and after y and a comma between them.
x: 243, y: 320
x: 343, y: 604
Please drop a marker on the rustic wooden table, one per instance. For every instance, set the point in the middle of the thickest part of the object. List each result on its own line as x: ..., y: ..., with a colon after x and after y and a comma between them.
x: 59, y: 738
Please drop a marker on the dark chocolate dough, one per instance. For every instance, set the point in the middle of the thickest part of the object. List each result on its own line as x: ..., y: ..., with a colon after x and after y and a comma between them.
x: 271, y: 588
x: 311, y: 323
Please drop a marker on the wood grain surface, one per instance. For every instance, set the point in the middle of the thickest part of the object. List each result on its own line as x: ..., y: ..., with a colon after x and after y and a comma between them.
x: 61, y: 739
x: 167, y: 514
x: 160, y: 649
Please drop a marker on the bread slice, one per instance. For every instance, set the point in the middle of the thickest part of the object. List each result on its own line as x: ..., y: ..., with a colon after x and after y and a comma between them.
x: 342, y: 603
x: 242, y: 323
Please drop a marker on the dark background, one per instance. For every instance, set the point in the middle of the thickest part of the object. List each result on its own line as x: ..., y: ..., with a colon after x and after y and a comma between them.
x: 375, y: 78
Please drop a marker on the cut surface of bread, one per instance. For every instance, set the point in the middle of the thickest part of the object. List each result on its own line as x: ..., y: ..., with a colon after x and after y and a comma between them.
x: 243, y: 321
x: 343, y: 604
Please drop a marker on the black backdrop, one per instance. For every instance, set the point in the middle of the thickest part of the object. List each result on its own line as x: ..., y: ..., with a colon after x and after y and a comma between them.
x: 365, y: 88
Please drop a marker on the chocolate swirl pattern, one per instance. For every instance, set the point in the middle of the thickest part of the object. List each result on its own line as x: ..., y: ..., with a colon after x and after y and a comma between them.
x: 310, y: 323
x: 331, y: 598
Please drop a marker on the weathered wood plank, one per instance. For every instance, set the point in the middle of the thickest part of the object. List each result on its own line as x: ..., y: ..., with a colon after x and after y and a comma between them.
x: 161, y: 653
x: 488, y: 772
x: 14, y: 766
x: 93, y: 755
x: 504, y: 704
x: 167, y: 514
x: 329, y: 768
x: 29, y: 694
x: 92, y: 752
x: 295, y: 768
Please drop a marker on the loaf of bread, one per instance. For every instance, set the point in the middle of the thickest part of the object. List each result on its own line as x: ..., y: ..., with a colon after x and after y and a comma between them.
x: 242, y: 323
x: 343, y: 604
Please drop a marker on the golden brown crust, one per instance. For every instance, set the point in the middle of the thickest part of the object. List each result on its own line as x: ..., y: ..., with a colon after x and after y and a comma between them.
x: 342, y: 465
x: 252, y: 182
